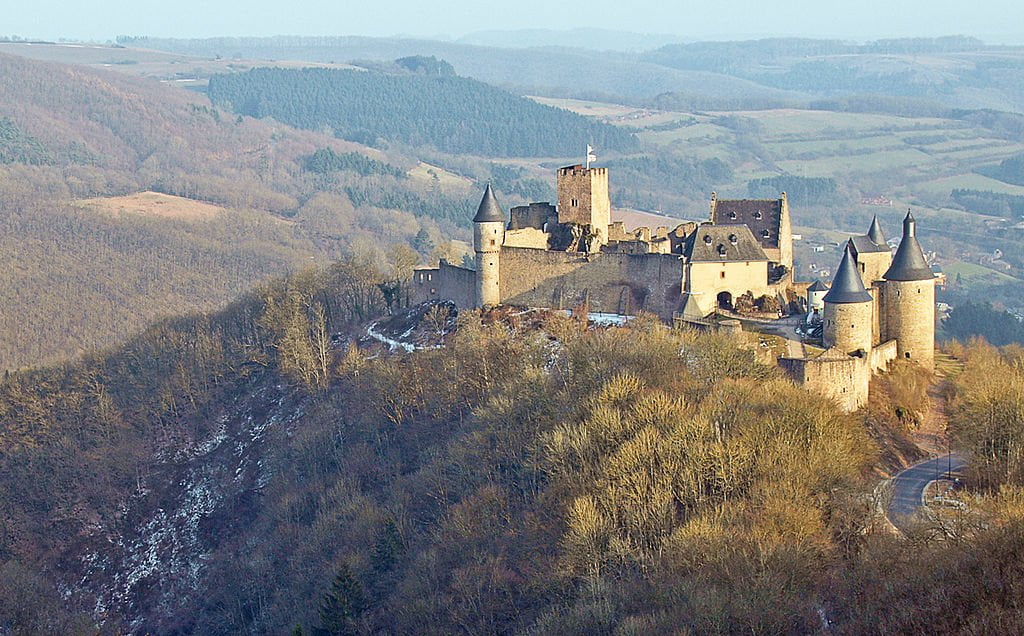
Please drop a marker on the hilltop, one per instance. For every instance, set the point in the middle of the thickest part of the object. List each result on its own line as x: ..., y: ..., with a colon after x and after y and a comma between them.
x: 267, y: 466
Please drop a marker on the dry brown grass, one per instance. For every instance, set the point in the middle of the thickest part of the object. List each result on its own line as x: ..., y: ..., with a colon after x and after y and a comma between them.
x: 153, y: 204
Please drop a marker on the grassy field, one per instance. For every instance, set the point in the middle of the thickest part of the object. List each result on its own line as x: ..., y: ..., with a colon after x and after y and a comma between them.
x: 977, y: 276
x: 153, y: 204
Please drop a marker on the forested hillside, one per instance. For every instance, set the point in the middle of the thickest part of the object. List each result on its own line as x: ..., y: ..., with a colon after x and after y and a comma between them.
x: 238, y: 472
x: 86, y: 267
x: 452, y: 114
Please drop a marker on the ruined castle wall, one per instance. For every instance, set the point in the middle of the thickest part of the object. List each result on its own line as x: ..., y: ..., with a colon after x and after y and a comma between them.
x: 847, y: 326
x: 909, y: 308
x: 844, y: 379
x: 535, y: 215
x: 610, y: 282
x: 527, y: 237
x: 445, y: 282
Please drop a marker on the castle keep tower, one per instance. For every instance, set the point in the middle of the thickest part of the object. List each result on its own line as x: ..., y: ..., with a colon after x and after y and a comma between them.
x: 488, y: 235
x: 848, y: 310
x: 583, y: 199
x: 908, y: 300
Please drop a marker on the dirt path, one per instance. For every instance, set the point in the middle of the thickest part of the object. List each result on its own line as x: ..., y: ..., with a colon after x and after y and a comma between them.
x: 933, y: 434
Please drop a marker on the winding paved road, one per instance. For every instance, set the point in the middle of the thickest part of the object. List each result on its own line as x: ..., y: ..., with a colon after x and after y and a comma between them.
x: 908, y: 486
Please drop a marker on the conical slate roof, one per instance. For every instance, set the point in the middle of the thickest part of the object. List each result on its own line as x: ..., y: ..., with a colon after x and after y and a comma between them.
x: 489, y: 210
x: 847, y: 287
x: 817, y: 286
x: 909, y: 262
x: 875, y: 232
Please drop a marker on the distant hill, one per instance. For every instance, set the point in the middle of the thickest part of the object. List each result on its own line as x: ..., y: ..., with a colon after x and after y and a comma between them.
x: 453, y: 114
x: 82, y: 275
x: 558, y: 71
x: 590, y: 39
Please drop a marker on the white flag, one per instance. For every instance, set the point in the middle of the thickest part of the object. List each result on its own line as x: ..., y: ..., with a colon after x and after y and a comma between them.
x: 590, y: 155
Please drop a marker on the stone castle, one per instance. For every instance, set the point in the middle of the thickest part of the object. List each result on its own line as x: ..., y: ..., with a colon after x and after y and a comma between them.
x: 571, y: 254
x: 880, y: 306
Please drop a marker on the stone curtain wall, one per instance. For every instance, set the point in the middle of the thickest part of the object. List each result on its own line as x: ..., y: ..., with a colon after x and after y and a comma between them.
x: 611, y: 282
x: 844, y: 379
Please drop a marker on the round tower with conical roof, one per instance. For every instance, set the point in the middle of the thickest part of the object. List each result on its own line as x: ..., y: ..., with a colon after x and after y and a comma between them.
x: 488, y: 235
x: 908, y: 300
x: 848, y: 310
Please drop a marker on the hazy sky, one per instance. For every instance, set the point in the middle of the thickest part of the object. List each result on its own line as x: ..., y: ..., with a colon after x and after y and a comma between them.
x: 993, y: 20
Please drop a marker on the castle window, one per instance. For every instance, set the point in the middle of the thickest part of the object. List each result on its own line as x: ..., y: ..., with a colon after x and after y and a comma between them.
x: 907, y: 353
x: 722, y: 273
x: 758, y: 215
x: 733, y: 239
x: 707, y: 239
x: 430, y: 276
x: 575, y: 202
x: 493, y: 242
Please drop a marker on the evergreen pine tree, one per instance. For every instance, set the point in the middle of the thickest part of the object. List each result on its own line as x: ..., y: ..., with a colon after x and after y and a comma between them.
x: 388, y: 547
x: 342, y: 605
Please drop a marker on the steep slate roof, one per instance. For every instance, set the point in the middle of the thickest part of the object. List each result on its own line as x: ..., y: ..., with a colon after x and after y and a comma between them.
x: 909, y: 262
x: 817, y: 286
x: 873, y: 241
x: 746, y: 211
x: 723, y: 243
x: 489, y: 210
x: 847, y: 287
x: 875, y: 232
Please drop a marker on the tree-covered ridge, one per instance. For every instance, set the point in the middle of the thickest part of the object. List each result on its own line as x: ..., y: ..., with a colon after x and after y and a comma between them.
x: 989, y: 203
x: 18, y: 147
x: 452, y: 114
x: 326, y: 160
x: 799, y: 190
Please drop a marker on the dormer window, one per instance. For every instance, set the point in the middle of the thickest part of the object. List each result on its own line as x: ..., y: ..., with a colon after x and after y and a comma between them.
x: 707, y: 239
x: 721, y: 250
x: 732, y: 215
x: 733, y: 239
x: 758, y: 215
x: 766, y: 234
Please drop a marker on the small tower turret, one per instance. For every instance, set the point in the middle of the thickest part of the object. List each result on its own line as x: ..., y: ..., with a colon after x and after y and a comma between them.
x: 488, y: 236
x: 875, y: 232
x: 848, y: 310
x: 908, y: 300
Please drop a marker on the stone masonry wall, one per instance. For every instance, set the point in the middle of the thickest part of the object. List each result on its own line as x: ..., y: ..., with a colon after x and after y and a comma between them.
x: 446, y: 281
x: 842, y: 378
x: 587, y: 188
x: 617, y: 283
